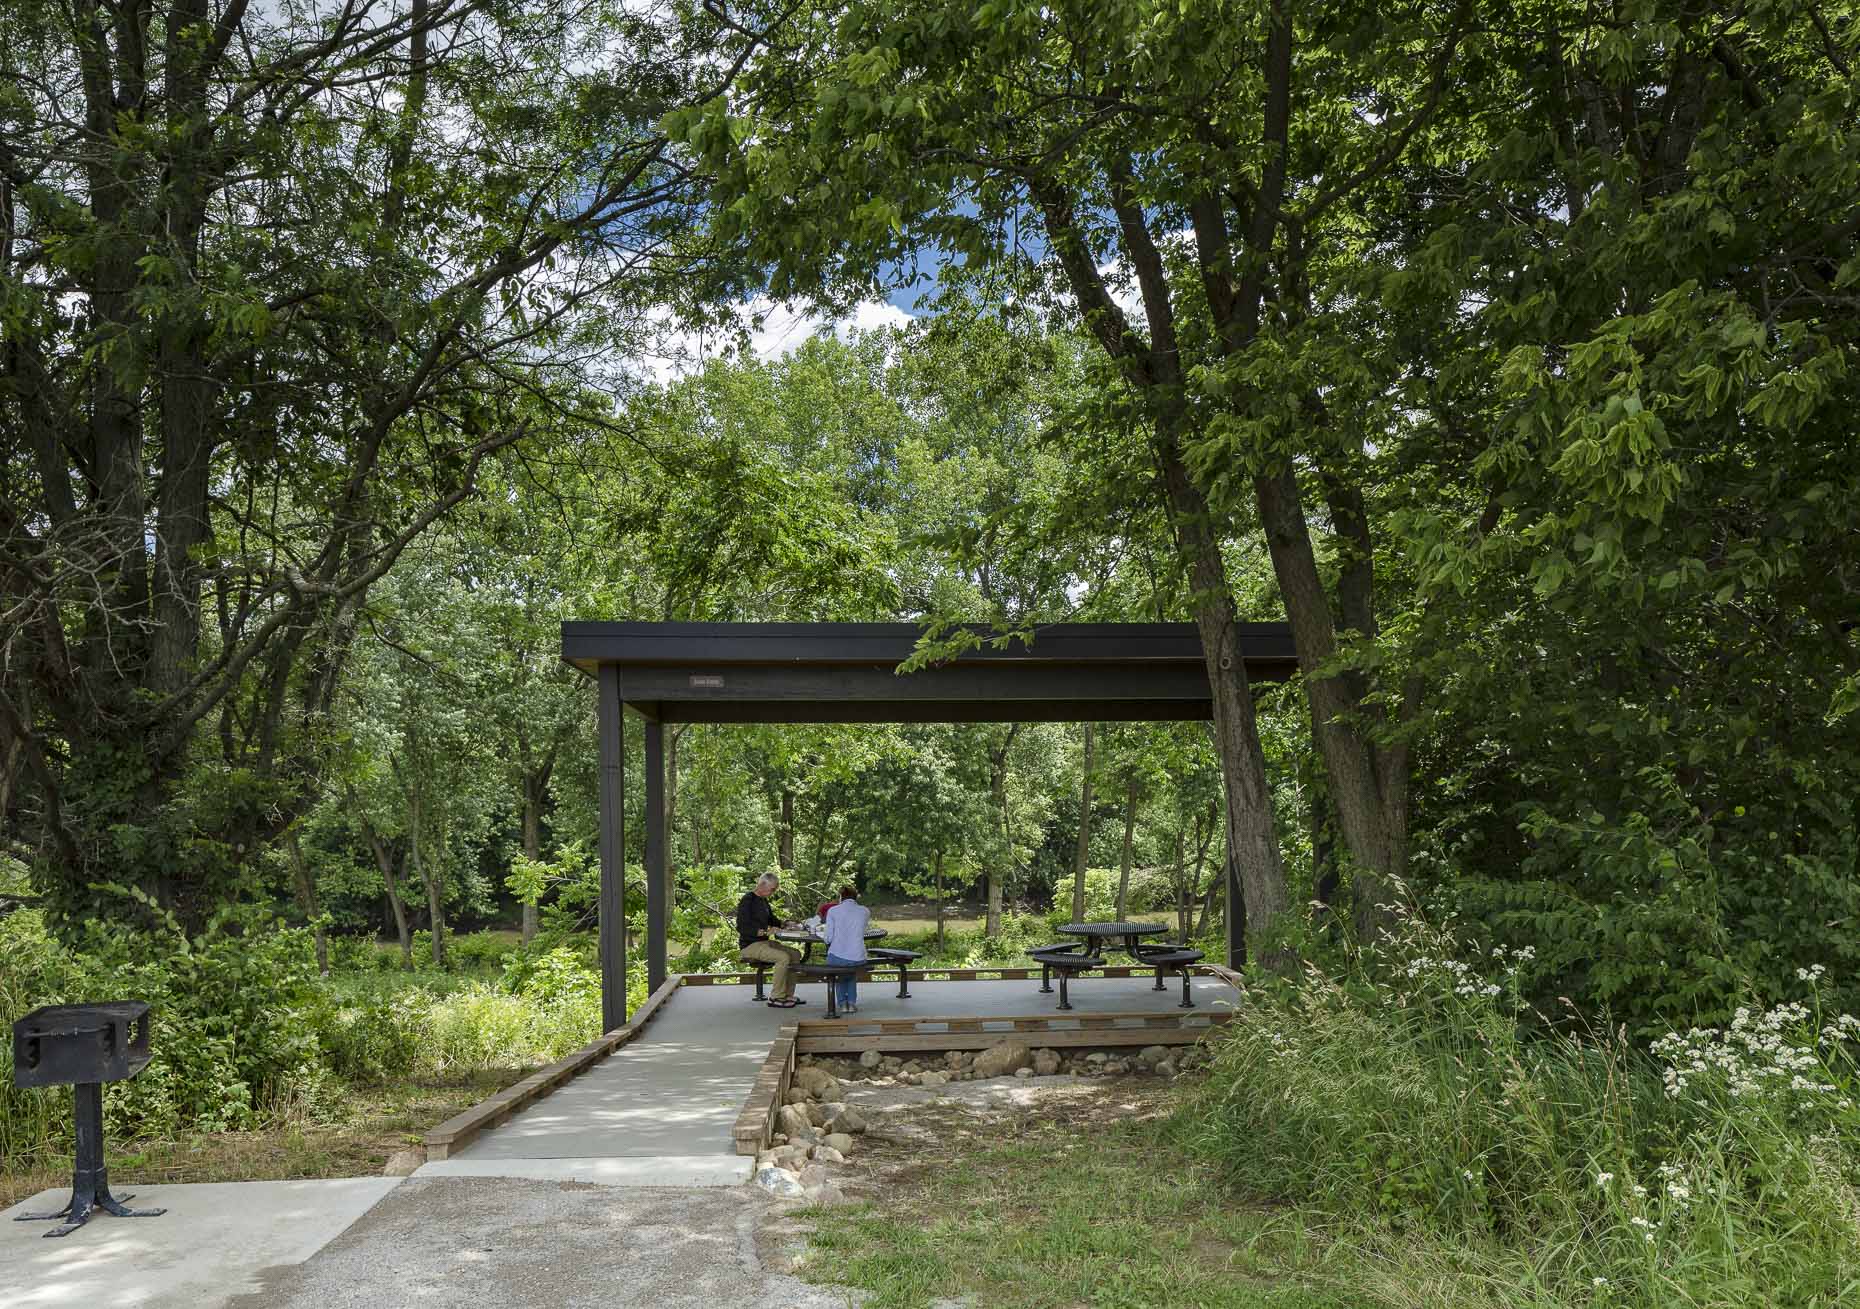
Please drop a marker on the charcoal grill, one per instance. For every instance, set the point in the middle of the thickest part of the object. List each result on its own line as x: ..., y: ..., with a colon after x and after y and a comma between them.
x: 83, y: 1046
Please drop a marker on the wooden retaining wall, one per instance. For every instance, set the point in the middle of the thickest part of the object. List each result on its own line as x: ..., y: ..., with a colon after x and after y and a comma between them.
x: 459, y: 1130
x: 755, y: 1124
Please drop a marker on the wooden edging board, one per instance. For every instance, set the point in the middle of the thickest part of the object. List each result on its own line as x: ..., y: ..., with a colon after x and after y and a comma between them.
x: 1071, y: 1030
x: 453, y: 1135
x: 756, y: 1122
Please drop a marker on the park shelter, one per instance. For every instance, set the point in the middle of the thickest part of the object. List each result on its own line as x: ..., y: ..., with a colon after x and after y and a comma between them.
x: 847, y: 673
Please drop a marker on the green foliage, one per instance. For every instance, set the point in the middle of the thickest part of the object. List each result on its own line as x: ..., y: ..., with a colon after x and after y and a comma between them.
x: 1417, y: 1102
x: 231, y: 1032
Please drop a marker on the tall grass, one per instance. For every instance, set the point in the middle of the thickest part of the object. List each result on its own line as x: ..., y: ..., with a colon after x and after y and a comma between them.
x: 1429, y: 1121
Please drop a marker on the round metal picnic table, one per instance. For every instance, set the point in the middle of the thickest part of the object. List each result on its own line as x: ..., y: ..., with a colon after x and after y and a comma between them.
x: 1109, y: 932
x: 807, y: 940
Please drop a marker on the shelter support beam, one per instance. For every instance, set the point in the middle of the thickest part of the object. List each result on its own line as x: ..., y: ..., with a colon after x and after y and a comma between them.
x: 657, y: 911
x: 611, y: 726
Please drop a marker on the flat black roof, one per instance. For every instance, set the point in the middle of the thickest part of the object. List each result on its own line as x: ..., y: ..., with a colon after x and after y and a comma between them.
x: 846, y: 672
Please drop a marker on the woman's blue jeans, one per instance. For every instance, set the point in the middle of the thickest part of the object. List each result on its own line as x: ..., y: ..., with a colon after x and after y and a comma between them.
x: 845, y: 989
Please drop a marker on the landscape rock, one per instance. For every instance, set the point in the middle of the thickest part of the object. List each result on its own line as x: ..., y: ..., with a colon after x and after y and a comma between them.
x: 823, y: 1113
x: 850, y: 1120
x: 815, y: 1080
x: 827, y: 1195
x: 402, y: 1163
x: 932, y: 1079
x: 792, y: 1119
x: 871, y: 1059
x: 795, y: 1096
x: 791, y: 1157
x: 807, y: 1136
x: 840, y: 1141
x: 1165, y: 1069
x: 826, y: 1154
x: 1045, y: 1062
x: 779, y: 1181
x: 1097, y: 1057
x: 1023, y: 1072
x: 813, y: 1175
x: 1152, y: 1055
x: 832, y: 1094
x: 1000, y: 1060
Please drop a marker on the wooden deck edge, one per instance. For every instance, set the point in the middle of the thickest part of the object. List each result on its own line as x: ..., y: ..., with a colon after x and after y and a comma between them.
x: 1004, y: 973
x: 1093, y: 1031
x: 458, y: 1131
x: 755, y: 1123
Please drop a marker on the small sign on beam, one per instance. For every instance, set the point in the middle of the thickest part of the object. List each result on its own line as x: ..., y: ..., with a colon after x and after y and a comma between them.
x: 707, y: 679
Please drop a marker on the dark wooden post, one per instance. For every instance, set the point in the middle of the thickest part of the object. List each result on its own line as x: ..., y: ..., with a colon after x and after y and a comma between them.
x: 657, y: 914
x: 612, y: 730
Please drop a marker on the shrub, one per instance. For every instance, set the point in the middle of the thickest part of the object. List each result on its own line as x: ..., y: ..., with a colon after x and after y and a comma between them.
x: 232, y: 1027
x: 1150, y: 893
x: 480, y: 951
x: 1563, y: 1166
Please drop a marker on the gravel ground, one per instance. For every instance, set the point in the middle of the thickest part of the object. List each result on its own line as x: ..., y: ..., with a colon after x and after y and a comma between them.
x: 512, y: 1244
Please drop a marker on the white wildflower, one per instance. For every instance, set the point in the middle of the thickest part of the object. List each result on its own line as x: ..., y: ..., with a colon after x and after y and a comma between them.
x: 1603, y: 1179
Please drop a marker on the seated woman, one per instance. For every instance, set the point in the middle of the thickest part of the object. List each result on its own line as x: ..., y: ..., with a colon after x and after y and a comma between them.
x: 845, y: 934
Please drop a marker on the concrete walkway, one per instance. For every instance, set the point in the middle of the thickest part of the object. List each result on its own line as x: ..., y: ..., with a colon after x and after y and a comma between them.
x: 216, y: 1240
x: 659, y: 1112
x: 512, y: 1219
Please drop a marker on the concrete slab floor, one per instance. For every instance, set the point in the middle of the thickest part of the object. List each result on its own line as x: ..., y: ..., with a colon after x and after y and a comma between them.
x: 213, y: 1243
x: 545, y: 1245
x: 678, y: 1088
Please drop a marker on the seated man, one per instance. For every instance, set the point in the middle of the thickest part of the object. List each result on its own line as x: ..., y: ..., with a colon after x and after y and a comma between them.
x: 846, y: 924
x: 755, y: 921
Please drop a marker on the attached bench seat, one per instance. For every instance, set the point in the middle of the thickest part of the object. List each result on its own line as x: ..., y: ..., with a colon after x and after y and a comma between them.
x: 1065, y: 959
x: 1170, y: 957
x: 828, y: 973
x: 903, y: 959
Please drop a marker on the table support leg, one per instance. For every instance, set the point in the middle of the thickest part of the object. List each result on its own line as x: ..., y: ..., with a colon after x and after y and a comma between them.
x: 1187, y: 1003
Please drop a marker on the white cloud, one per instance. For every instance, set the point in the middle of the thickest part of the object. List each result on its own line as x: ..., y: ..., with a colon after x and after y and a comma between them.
x: 770, y: 330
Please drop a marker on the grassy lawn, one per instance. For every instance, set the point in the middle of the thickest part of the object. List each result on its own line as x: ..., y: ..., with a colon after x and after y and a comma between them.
x: 378, y: 1121
x: 1083, y: 1202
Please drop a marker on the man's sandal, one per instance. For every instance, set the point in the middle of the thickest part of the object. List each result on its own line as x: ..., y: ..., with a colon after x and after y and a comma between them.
x: 783, y: 1004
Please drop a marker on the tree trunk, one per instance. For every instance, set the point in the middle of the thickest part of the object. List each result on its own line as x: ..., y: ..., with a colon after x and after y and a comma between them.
x: 998, y: 866
x: 430, y: 877
x: 1254, y: 869
x: 784, y: 833
x: 1184, y: 891
x: 939, y: 901
x: 532, y: 844
x: 1084, y: 847
x: 307, y: 899
x: 1130, y: 825
x: 1368, y: 787
x: 384, y: 860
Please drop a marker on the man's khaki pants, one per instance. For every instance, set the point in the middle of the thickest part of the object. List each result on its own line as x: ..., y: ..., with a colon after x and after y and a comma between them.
x: 770, y: 952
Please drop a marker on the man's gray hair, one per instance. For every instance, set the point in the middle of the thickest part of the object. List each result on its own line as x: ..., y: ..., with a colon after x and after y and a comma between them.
x: 768, y: 879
